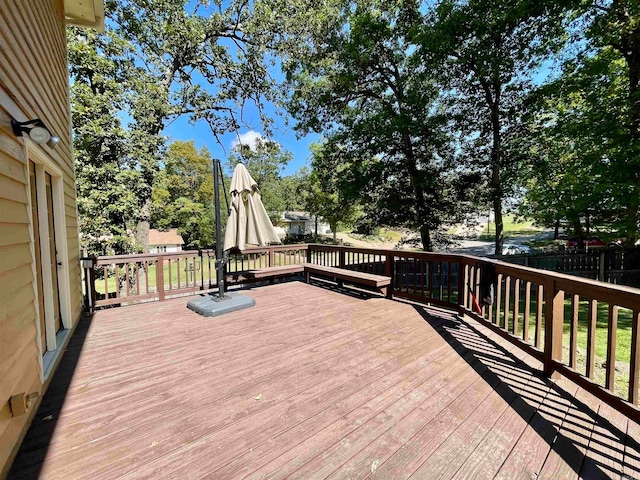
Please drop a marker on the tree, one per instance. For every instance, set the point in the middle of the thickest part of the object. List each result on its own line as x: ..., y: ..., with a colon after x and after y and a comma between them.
x: 325, y: 193
x: 265, y: 161
x: 107, y: 180
x: 362, y: 88
x: 606, y: 75
x: 486, y: 52
x: 183, y: 194
x: 200, y: 59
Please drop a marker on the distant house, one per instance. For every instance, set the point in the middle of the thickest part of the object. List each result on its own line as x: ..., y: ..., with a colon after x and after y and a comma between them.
x: 302, y: 223
x: 165, y: 242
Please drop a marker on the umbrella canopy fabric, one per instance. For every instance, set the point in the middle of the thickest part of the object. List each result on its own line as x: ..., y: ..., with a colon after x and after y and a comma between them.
x: 248, y: 222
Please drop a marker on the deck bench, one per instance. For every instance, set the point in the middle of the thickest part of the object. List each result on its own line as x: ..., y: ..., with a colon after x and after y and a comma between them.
x: 340, y: 275
x: 267, y: 273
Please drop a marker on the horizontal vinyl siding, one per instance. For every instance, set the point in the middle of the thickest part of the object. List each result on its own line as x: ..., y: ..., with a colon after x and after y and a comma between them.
x: 33, y: 79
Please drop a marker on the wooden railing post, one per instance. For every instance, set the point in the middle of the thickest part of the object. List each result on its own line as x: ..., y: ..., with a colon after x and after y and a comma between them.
x: 272, y: 260
x: 92, y: 281
x: 341, y: 258
x: 553, y: 322
x: 201, y: 255
x: 309, y: 251
x: 388, y: 268
x: 160, y: 278
x: 462, y: 285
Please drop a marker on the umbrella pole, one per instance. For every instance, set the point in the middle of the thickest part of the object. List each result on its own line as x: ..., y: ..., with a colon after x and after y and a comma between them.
x: 219, y: 254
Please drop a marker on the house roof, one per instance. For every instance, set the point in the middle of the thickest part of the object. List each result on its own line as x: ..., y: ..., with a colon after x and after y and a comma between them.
x: 170, y: 237
x: 85, y: 13
x: 297, y: 216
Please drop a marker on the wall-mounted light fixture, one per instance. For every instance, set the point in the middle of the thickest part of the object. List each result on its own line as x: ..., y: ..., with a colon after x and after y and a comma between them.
x: 37, y: 131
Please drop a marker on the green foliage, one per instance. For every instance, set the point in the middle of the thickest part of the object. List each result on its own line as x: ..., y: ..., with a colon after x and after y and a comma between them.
x: 363, y: 88
x: 159, y: 60
x: 183, y: 195
x: 586, y: 167
x: 486, y: 53
x: 265, y: 161
x: 325, y: 190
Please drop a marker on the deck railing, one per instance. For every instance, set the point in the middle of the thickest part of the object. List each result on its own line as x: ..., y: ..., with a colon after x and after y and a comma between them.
x: 585, y: 329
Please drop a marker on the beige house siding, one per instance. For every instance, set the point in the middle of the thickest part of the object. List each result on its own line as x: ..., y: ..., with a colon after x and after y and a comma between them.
x: 33, y: 84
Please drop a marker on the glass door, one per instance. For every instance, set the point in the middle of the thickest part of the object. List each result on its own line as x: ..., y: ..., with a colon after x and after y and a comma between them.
x: 54, y: 253
x: 38, y: 255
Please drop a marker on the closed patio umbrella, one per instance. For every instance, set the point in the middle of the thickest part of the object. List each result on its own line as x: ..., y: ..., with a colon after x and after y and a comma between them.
x: 248, y: 222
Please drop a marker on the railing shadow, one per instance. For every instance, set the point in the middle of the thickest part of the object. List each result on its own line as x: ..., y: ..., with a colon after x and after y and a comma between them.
x: 562, y: 420
x: 35, y: 446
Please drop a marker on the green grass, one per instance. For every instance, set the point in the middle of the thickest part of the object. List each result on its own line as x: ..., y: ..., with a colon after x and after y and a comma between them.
x: 256, y: 261
x: 512, y: 229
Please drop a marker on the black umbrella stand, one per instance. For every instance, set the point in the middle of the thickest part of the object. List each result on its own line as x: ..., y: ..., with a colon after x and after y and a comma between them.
x: 213, y: 305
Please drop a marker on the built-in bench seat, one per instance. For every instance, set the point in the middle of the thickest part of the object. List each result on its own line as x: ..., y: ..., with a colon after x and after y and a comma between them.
x: 340, y: 275
x: 271, y: 272
x: 267, y: 273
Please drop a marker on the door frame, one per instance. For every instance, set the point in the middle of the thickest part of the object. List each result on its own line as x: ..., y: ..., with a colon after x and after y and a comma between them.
x: 44, y: 162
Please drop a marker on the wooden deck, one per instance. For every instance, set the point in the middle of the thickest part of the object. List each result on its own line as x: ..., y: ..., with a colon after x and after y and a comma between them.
x: 313, y: 383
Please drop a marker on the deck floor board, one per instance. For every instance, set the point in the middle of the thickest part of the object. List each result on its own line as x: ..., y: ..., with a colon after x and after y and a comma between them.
x: 313, y: 382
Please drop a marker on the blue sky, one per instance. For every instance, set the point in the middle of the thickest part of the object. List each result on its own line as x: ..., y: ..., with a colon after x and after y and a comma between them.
x: 180, y: 129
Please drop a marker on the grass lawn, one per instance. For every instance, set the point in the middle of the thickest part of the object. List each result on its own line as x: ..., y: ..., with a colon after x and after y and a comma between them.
x: 511, y: 228
x: 257, y: 261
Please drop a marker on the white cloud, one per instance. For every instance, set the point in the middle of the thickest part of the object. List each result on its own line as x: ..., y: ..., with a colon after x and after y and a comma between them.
x: 249, y: 138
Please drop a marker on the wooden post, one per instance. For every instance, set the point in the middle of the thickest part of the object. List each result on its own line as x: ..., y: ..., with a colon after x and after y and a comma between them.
x: 553, y: 320
x: 601, y: 266
x: 160, y: 278
x: 92, y: 281
x: 388, y: 268
x: 308, y: 253
x: 462, y: 270
x: 341, y: 258
x: 271, y: 258
x: 201, y: 269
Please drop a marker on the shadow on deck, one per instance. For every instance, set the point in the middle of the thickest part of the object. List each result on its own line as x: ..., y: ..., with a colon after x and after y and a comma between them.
x: 313, y: 382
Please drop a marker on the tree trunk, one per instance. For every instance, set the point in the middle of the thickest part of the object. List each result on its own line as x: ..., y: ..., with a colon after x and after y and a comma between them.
x: 425, y: 236
x: 631, y: 52
x: 496, y: 184
x: 334, y: 229
x: 142, y: 227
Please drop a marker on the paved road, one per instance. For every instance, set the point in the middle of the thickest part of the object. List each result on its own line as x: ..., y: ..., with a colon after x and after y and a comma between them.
x: 482, y: 249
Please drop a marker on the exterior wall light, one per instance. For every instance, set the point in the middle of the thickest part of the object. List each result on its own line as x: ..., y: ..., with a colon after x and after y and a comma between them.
x: 37, y: 131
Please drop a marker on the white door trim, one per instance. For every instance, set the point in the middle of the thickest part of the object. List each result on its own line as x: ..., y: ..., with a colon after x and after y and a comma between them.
x: 45, y: 163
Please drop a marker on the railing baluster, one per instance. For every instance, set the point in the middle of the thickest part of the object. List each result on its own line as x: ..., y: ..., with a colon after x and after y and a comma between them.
x: 498, y: 299
x: 106, y: 281
x: 634, y: 373
x: 507, y: 300
x: 573, y: 333
x: 516, y: 306
x: 160, y: 278
x: 126, y: 277
x: 611, y: 347
x: 117, y: 281
x: 527, y: 308
x: 135, y: 266
x: 540, y: 298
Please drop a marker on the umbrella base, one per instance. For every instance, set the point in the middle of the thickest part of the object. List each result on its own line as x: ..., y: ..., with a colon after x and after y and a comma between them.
x: 213, y: 306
